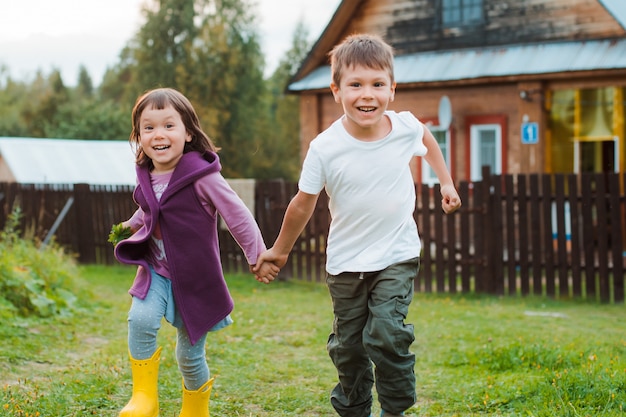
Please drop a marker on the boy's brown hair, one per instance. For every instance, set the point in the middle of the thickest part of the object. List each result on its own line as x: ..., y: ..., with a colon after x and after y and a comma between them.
x: 368, y: 50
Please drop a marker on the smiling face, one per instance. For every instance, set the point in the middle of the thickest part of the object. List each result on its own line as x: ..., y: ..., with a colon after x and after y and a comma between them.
x: 365, y: 94
x: 162, y: 136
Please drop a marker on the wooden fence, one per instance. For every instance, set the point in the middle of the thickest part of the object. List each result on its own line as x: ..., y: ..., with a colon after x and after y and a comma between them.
x: 560, y: 236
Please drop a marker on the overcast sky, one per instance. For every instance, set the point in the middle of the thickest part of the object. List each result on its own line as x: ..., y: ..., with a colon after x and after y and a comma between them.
x: 63, y: 34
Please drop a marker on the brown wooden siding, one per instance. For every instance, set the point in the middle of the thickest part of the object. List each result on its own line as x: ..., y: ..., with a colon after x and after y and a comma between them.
x: 414, y: 25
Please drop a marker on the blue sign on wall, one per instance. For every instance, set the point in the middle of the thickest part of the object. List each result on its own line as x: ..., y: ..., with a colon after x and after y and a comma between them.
x: 530, y: 133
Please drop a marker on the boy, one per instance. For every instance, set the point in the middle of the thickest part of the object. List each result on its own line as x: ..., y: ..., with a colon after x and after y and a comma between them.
x: 373, y: 249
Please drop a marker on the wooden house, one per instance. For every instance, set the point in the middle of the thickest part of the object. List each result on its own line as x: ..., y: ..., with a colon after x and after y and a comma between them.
x: 527, y: 86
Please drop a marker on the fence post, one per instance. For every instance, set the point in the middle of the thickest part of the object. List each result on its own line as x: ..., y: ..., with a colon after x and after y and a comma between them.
x: 84, y: 224
x: 488, y: 204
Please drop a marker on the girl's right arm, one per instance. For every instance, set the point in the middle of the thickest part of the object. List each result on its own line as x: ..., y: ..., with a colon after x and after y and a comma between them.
x: 136, y: 221
x: 126, y: 229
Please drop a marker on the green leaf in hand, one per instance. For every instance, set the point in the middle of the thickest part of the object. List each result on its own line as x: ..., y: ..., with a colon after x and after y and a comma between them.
x: 118, y: 233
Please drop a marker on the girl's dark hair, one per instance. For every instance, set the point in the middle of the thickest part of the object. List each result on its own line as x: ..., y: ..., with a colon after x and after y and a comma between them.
x: 159, y: 99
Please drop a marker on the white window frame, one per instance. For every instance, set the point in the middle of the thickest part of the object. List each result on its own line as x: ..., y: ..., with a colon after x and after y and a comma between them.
x: 476, y: 162
x: 428, y: 175
x: 455, y: 13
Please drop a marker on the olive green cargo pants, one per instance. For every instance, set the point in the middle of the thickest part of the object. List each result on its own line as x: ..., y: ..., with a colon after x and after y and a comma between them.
x: 370, y: 309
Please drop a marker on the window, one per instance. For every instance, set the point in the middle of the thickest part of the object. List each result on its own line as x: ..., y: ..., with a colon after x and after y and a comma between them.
x: 443, y: 139
x: 585, y: 130
x: 461, y: 12
x: 485, y: 149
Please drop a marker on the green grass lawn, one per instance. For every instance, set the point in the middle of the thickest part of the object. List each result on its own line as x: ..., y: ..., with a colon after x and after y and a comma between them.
x: 476, y: 356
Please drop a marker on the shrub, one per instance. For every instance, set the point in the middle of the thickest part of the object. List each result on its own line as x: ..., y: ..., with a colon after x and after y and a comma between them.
x: 34, y: 280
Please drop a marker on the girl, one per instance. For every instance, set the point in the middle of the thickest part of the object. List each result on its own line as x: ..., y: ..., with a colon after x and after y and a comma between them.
x: 174, y: 242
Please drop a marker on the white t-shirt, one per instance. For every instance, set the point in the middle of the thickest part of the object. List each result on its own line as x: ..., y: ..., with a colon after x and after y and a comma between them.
x: 371, y: 194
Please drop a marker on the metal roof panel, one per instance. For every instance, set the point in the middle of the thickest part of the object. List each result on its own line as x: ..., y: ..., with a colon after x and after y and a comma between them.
x: 69, y: 161
x: 617, y: 8
x: 502, y: 61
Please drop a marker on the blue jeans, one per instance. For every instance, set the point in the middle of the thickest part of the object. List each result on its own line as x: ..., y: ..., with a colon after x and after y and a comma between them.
x: 144, y: 322
x: 370, y: 309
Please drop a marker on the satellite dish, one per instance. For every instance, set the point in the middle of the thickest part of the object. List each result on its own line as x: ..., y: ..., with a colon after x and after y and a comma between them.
x: 445, y: 113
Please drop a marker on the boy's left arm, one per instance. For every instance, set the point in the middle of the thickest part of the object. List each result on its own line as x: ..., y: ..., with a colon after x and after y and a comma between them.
x: 450, y: 200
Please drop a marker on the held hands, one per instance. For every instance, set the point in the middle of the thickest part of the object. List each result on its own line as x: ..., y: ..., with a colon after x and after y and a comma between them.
x: 268, y: 265
x: 264, y: 272
x: 450, y: 200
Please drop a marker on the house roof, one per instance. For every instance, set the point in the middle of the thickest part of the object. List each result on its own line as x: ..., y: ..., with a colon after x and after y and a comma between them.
x: 500, y: 61
x: 617, y: 8
x: 69, y: 161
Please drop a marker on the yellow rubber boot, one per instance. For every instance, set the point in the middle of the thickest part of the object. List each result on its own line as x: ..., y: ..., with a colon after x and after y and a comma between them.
x: 145, y: 399
x: 196, y: 403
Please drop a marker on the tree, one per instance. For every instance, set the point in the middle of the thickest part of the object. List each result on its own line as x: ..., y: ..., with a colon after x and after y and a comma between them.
x: 209, y: 50
x: 13, y: 95
x: 91, y: 119
x: 285, y: 110
x: 46, y: 108
x: 162, y: 43
x: 116, y: 84
x: 226, y: 84
x: 84, y: 89
x: 46, y: 97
